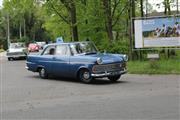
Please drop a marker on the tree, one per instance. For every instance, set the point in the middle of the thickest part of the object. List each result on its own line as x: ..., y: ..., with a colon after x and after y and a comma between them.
x: 71, y: 18
x: 167, y: 7
x: 112, y: 14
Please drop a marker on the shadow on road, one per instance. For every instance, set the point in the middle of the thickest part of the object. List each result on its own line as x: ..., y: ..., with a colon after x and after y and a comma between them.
x: 99, y: 81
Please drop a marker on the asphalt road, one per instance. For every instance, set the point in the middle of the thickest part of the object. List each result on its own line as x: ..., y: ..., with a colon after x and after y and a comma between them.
x: 25, y: 96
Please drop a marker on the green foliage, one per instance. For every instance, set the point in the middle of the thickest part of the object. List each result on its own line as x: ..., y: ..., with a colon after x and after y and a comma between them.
x: 118, y: 46
x: 25, y: 39
x: 153, y: 64
x: 3, y: 43
x: 1, y: 50
x: 49, y: 20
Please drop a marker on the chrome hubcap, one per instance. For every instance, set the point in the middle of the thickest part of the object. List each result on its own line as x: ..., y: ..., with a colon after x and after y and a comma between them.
x: 42, y: 72
x: 86, y: 75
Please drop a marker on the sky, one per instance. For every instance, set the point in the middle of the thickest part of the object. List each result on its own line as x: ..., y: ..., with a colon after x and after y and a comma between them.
x: 160, y: 8
x: 154, y: 2
x: 1, y: 3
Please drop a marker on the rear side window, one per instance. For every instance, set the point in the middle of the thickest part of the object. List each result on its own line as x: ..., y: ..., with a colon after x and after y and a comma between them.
x: 63, y: 50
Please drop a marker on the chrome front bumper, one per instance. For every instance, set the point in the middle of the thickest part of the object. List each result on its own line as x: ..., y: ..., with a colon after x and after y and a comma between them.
x: 15, y: 56
x: 27, y: 67
x: 106, y: 74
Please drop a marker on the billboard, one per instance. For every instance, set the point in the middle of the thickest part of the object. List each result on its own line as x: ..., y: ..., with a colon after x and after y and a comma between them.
x: 157, y: 32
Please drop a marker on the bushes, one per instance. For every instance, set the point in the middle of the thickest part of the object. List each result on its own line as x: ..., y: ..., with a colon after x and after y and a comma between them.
x: 119, y: 46
x: 25, y: 39
x: 1, y: 50
x: 3, y: 43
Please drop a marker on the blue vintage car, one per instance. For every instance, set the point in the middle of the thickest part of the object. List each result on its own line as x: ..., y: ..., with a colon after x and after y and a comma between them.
x: 77, y: 60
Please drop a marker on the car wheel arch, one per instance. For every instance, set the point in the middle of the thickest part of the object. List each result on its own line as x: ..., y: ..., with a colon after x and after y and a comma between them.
x: 81, y: 68
x: 39, y: 67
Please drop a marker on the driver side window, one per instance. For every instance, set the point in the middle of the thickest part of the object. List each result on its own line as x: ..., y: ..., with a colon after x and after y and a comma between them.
x: 49, y: 51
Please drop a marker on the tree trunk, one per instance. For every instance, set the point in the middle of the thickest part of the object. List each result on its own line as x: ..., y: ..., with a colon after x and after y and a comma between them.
x: 142, y: 12
x: 132, y: 15
x: 108, y: 21
x: 85, y: 4
x: 142, y: 15
x: 167, y: 8
x: 24, y: 22
x: 167, y: 11
x: 71, y: 7
x: 177, y: 6
x: 20, y: 31
x: 73, y: 21
x: 8, y: 31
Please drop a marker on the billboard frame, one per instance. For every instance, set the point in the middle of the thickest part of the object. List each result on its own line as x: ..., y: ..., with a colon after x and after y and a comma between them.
x: 152, y: 48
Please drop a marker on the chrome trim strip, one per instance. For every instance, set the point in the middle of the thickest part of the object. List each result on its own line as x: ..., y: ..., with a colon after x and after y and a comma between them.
x: 30, y: 62
x: 109, y: 73
x: 67, y: 62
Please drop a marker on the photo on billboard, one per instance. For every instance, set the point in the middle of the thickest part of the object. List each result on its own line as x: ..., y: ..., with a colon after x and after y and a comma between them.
x: 157, y: 32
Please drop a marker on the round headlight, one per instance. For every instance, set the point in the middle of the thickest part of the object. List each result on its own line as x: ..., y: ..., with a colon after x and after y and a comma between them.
x: 125, y: 57
x: 99, y: 61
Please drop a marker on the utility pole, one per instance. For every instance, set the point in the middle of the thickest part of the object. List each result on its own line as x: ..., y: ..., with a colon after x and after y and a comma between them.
x: 8, y: 31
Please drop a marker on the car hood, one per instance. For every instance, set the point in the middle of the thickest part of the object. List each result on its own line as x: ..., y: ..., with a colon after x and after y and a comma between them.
x: 16, y: 49
x: 106, y: 58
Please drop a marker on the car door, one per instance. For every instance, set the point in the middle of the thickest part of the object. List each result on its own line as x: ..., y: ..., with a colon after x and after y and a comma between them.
x: 46, y: 58
x: 61, y: 60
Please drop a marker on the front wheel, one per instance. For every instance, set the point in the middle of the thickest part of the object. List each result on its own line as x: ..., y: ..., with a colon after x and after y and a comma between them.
x: 42, y: 73
x: 10, y: 58
x: 85, y: 76
x: 114, y: 78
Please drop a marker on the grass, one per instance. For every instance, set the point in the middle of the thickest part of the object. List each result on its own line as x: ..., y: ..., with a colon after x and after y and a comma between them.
x: 171, y: 66
x: 1, y: 50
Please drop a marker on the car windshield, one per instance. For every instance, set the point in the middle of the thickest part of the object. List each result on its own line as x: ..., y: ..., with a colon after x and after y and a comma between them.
x: 17, y: 45
x: 83, y: 48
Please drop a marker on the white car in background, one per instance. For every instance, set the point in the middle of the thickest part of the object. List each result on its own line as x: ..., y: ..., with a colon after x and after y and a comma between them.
x: 16, y: 50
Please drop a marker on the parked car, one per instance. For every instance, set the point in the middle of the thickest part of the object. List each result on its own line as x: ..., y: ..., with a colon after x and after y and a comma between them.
x: 33, y: 47
x: 16, y: 50
x: 41, y: 44
x: 79, y: 60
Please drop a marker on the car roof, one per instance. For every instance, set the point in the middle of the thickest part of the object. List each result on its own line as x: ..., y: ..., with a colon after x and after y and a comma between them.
x: 32, y: 43
x: 67, y: 43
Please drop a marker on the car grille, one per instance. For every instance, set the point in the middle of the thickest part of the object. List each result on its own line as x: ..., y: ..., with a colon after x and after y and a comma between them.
x: 108, y: 67
x: 16, y: 53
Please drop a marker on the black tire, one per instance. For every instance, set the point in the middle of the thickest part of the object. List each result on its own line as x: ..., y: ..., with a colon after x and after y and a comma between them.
x: 85, y: 76
x: 10, y: 58
x: 42, y: 73
x: 114, y: 78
